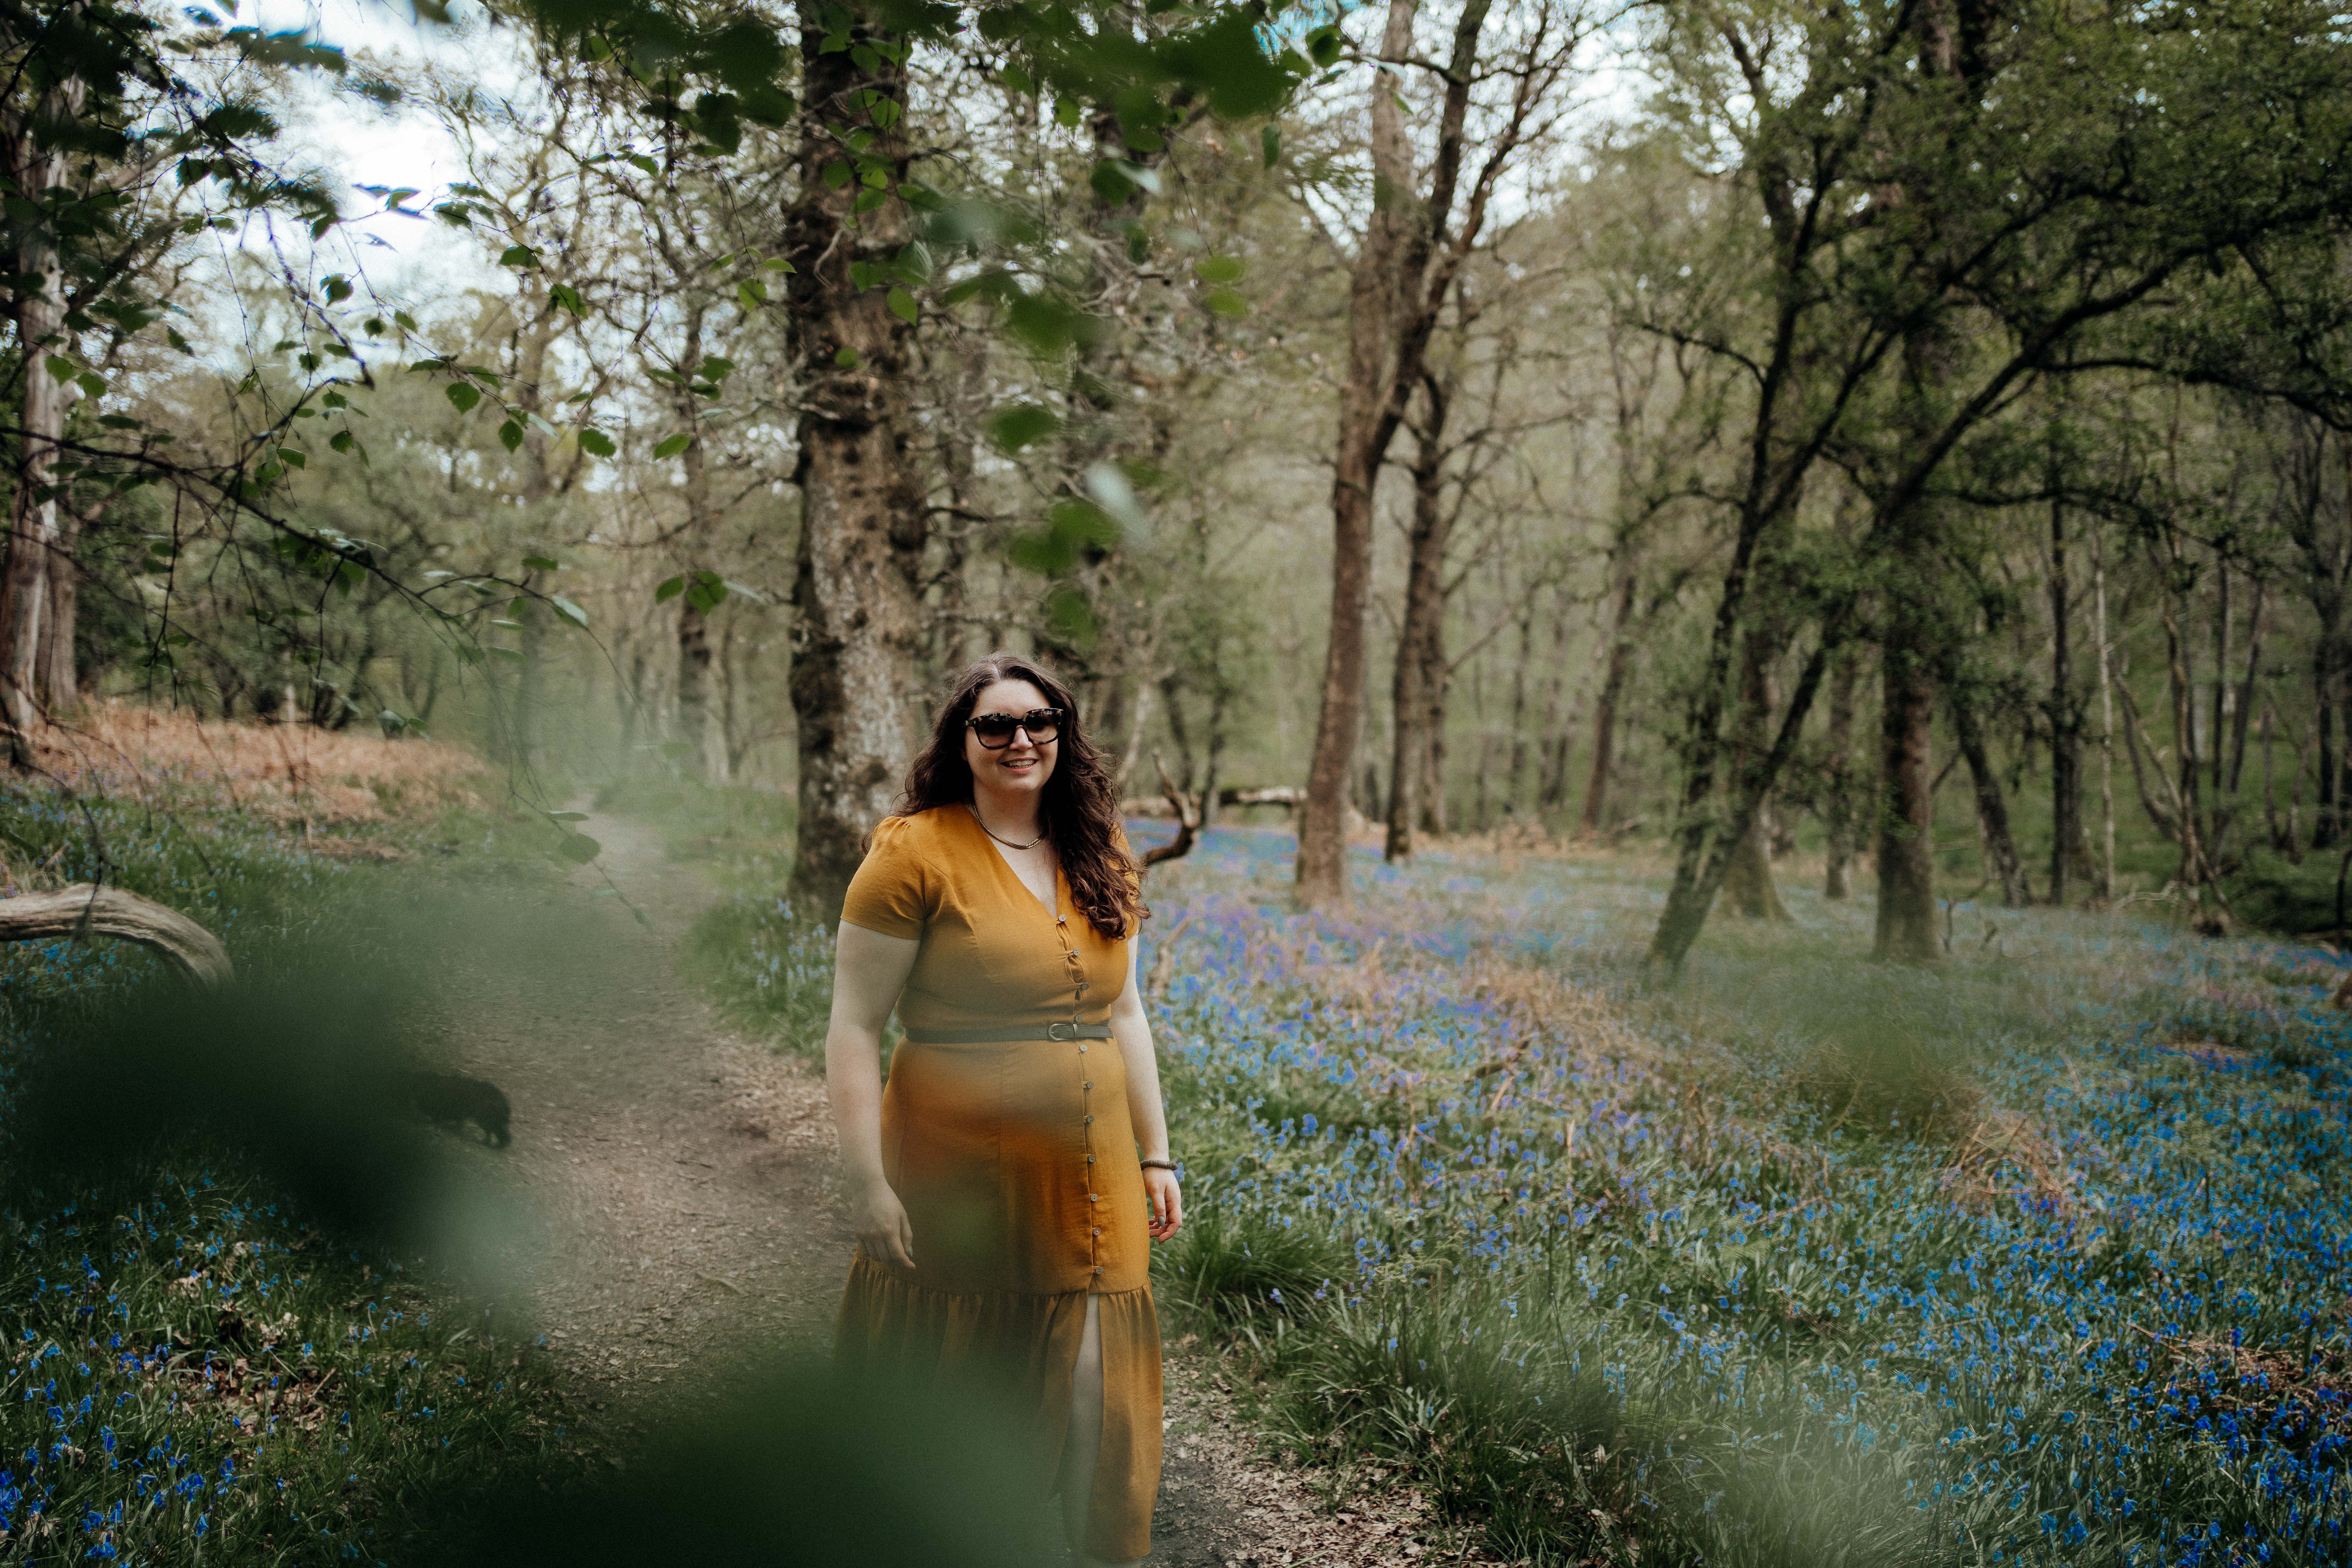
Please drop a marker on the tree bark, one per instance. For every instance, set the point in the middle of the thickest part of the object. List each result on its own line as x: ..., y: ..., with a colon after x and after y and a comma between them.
x: 858, y: 632
x: 2065, y: 712
x: 2002, y: 862
x: 1906, y: 822
x: 1604, y: 711
x: 1420, y: 637
x: 196, y: 952
x: 698, y: 726
x: 1748, y: 879
x: 35, y: 538
x: 1392, y: 304
x: 60, y: 678
x: 1838, y: 813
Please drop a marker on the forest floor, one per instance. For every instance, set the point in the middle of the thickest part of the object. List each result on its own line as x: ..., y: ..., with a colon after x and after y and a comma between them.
x: 684, y: 1177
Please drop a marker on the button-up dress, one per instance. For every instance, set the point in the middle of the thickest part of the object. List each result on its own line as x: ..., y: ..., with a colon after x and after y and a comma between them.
x: 1016, y: 1159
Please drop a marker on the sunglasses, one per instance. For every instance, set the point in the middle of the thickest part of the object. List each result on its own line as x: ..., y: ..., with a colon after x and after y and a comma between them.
x: 995, y: 729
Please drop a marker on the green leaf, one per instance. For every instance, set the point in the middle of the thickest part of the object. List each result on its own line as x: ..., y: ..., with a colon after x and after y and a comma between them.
x: 92, y: 383
x: 846, y: 358
x: 596, y: 443
x: 541, y: 564
x: 705, y: 590
x: 1067, y: 112
x: 510, y: 435
x: 61, y: 368
x: 1016, y: 427
x: 752, y: 293
x: 673, y: 445
x: 294, y: 457
x: 776, y: 264
x: 339, y: 287
x: 903, y: 306
x: 569, y: 611
x: 574, y: 847
x: 519, y: 256
x: 868, y: 200
x: 341, y: 441
x: 1270, y: 142
x: 1016, y: 79
x: 1226, y: 302
x: 670, y: 589
x: 1218, y: 269
x: 835, y: 175
x: 403, y: 321
x: 565, y: 297
x: 565, y: 816
x: 464, y: 393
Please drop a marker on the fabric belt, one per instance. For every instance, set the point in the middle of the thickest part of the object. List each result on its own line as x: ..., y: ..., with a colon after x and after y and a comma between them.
x: 1012, y: 1035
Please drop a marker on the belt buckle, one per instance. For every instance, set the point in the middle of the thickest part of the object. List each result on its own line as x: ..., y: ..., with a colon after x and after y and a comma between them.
x: 1062, y: 1031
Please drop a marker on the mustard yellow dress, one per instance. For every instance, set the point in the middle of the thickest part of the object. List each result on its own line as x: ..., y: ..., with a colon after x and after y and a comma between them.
x: 1013, y: 1155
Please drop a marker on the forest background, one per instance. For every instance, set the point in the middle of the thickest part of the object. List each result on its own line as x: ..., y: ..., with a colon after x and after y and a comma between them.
x: 1694, y: 451
x: 1911, y: 437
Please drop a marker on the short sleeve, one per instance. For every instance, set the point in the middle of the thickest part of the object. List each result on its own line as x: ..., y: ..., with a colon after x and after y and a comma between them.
x: 894, y: 891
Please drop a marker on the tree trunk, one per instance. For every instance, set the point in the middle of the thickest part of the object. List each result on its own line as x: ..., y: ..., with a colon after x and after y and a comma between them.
x: 694, y: 706
x: 2002, y: 862
x: 1837, y: 878
x: 698, y: 726
x: 856, y: 591
x: 1412, y: 702
x: 2065, y: 720
x: 1605, y: 710
x: 35, y: 538
x: 1392, y: 303
x: 1364, y: 434
x: 1907, y: 819
x: 1748, y: 879
x: 60, y: 680
x: 2106, y: 725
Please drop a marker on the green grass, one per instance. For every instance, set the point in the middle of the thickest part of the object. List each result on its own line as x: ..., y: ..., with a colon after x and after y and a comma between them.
x: 202, y: 1371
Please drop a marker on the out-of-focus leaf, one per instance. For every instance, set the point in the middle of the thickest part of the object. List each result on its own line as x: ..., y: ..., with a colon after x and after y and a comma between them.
x: 596, y: 443
x: 464, y: 395
x: 673, y: 445
x: 1016, y: 427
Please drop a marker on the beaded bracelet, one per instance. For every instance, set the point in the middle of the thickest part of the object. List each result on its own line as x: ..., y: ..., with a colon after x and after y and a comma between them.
x: 1167, y: 1166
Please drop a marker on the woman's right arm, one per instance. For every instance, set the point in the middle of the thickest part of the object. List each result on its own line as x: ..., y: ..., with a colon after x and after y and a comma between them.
x: 869, y: 970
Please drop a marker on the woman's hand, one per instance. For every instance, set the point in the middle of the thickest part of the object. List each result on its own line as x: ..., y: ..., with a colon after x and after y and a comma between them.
x: 884, y: 1233
x: 1167, y: 1199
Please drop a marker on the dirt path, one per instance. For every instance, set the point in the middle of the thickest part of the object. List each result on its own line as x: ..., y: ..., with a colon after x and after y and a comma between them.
x: 685, y: 1177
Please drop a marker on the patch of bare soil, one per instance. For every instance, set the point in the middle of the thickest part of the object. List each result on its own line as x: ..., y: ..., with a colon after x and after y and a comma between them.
x: 685, y: 1179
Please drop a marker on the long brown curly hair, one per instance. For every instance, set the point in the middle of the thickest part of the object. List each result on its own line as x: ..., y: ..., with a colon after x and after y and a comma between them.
x: 1080, y: 807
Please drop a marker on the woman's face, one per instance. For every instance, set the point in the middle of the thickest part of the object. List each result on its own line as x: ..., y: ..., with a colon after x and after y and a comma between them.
x: 1022, y: 768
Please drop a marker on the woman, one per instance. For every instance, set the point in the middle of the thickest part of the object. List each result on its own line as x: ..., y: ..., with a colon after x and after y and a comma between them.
x: 1003, y: 1183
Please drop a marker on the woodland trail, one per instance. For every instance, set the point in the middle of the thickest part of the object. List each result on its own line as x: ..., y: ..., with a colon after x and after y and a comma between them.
x: 683, y: 1179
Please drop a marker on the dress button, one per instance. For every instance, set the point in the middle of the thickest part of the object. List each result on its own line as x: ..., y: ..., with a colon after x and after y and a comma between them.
x: 1082, y: 1051
x: 1098, y: 1267
x: 1094, y: 1197
x: 1090, y: 1159
x: 1089, y: 1083
x: 1097, y: 1230
x: 1090, y: 1122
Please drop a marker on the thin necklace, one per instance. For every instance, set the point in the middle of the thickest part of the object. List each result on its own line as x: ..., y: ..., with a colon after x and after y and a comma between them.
x: 998, y: 837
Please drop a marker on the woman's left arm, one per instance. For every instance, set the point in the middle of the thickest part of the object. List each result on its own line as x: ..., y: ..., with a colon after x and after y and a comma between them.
x: 1131, y: 1031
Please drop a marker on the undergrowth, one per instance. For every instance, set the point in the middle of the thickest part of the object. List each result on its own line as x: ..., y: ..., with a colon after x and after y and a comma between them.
x: 196, y: 1372
x: 2033, y: 1258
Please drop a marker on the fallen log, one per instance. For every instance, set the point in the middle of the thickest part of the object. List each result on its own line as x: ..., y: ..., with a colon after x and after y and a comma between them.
x: 110, y: 911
